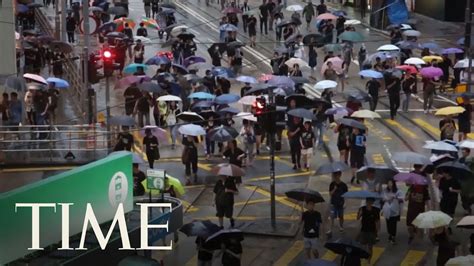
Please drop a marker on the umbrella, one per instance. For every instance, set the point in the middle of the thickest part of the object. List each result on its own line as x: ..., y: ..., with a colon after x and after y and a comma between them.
x: 352, y: 123
x: 439, y: 146
x: 361, y: 194
x: 223, y: 134
x: 228, y: 27
x: 463, y: 63
x: 333, y: 167
x: 338, y: 111
x: 388, y: 47
x: 325, y: 84
x: 218, y: 237
x: 430, y: 45
x: 407, y: 45
x: 357, y: 95
x: 221, y: 47
x: 107, y: 27
x: 339, y: 13
x: 370, y: 74
x: 45, y: 39
x: 62, y: 46
x: 248, y: 100
x: 231, y: 110
x: 411, y: 157
x: 455, y: 169
x: 117, y: 10
x: 200, y: 228
x: 431, y: 58
x: 95, y: 9
x: 235, y: 44
x: 412, y: 33
x: 122, y: 21
x: 351, y: 36
x: 301, y: 100
x: 185, y: 36
x: 365, y: 114
x: 142, y: 39
x: 466, y: 144
x: 199, y: 66
x: 205, y: 113
x: 281, y: 81
x: 431, y: 72
x: 226, y: 98
x: 326, y: 16
x: 332, y: 47
x: 285, y: 23
x: 158, y: 132
x: 169, y: 98
x: 415, y: 61
x: 227, y: 169
x: 299, y: 80
x: 164, y: 77
x: 411, y: 178
x: 116, y: 35
x: 192, y: 60
x: 133, y: 68
x: 461, y: 261
x: 319, y: 262
x: 222, y: 72
x: 451, y: 110
x: 347, y: 246
x: 150, y: 87
x: 294, y: 8
x: 178, y: 29
x: 129, y: 80
x: 352, y: 22
x: 35, y: 86
x: 16, y: 83
x: 191, y: 117
x: 58, y: 83
x: 431, y: 220
x: 246, y: 116
x: 35, y: 78
x: 122, y: 120
x: 168, y: 5
x: 313, y: 39
x: 20, y: 8
x: 150, y: 23
x: 304, y: 194
x: 383, y: 173
x: 231, y: 10
x: 192, y: 130
x: 409, y: 69
x: 336, y: 65
x: 247, y: 79
x: 302, y: 113
x: 192, y: 78
x: 466, y: 222
x: 201, y: 96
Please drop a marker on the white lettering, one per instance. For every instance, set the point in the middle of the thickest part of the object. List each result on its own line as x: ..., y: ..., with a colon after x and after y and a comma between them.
x: 65, y: 226
x: 35, y: 221
x: 144, y: 226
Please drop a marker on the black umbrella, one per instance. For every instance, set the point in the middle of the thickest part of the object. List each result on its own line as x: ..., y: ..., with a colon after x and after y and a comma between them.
x: 180, y: 69
x: 200, y: 228
x: 191, y: 117
x: 260, y: 88
x: 122, y: 120
x: 186, y: 35
x: 285, y: 23
x: 382, y: 173
x: 333, y: 167
x: 208, y: 113
x: 164, y: 77
x: 217, y: 238
x: 117, y: 10
x: 358, y: 96
x: 235, y: 44
x: 116, y: 35
x: 347, y: 246
x: 222, y: 47
x: 172, y: 6
x: 301, y: 100
x: 304, y: 194
x: 150, y: 87
x: 313, y: 39
x: 62, y: 46
x: 223, y: 134
x: 352, y: 123
x: 281, y: 50
x: 301, y: 113
x: 455, y: 169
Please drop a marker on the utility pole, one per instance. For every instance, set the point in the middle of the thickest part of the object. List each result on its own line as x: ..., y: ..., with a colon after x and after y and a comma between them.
x: 107, y: 110
x: 272, y: 158
x: 63, y: 19
x: 85, y: 61
x: 57, y: 23
x: 467, y: 43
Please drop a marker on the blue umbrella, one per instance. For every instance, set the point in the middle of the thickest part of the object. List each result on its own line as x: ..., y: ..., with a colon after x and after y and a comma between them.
x: 201, y: 96
x: 222, y: 72
x: 175, y: 89
x: 158, y: 60
x: 452, y: 51
x: 351, y: 36
x: 281, y: 81
x: 58, y: 83
x: 460, y: 41
x: 430, y: 45
x: 231, y: 110
x: 193, y: 60
x: 361, y: 194
x: 407, y: 45
x: 164, y: 77
x: 132, y: 68
x: 201, y: 105
x: 247, y: 79
x: 150, y: 87
x: 338, y: 111
x: 339, y: 13
x: 22, y: 8
x: 227, y: 98
x: 107, y: 27
x: 369, y: 73
x: 302, y: 113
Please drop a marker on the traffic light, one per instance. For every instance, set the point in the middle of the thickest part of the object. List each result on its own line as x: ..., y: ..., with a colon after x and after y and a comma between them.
x: 108, y: 57
x: 93, y: 66
x: 260, y: 106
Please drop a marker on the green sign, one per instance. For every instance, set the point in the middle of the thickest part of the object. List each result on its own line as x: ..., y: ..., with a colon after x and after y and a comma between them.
x: 103, y: 184
x: 155, y: 179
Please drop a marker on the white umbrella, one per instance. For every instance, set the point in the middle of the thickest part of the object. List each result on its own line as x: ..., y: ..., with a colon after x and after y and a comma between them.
x: 469, y: 144
x: 388, y: 47
x: 463, y: 63
x: 292, y: 61
x: 247, y: 100
x: 247, y: 79
x: 192, y: 130
x: 461, y: 261
x: 36, y: 78
x: 440, y: 146
x: 405, y: 27
x: 325, y: 84
x: 365, y: 114
x: 294, y: 8
x: 352, y: 22
x: 142, y: 39
x: 431, y: 220
x: 412, y: 33
x: 169, y: 98
x: 246, y: 116
x: 178, y: 29
x: 415, y: 61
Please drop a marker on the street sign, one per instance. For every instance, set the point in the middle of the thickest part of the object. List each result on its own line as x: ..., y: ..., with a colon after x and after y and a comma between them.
x: 94, y: 24
x: 156, y: 179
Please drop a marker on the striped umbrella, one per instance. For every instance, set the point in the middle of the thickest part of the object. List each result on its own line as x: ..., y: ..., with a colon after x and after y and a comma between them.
x: 121, y: 23
x: 150, y: 23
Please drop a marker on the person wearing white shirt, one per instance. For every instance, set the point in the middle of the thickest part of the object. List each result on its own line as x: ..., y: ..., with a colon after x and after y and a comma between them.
x: 392, y: 206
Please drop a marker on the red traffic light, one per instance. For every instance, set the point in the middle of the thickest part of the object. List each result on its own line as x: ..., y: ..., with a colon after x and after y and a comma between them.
x: 259, y: 106
x: 107, y: 54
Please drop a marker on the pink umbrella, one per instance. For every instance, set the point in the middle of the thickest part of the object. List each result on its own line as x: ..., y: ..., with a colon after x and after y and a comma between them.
x: 35, y: 78
x: 158, y: 132
x: 408, y: 68
x: 336, y: 65
x: 326, y: 16
x: 265, y: 77
x: 411, y: 178
x: 129, y: 80
x: 232, y: 10
x: 431, y: 72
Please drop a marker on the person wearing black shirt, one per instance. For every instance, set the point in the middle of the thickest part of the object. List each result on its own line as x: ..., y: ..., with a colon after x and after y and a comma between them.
x: 370, y: 221
x: 70, y: 28
x: 408, y: 85
x: 263, y: 17
x: 311, y: 222
x: 138, y: 177
x: 142, y: 107
x: 131, y: 95
x: 294, y: 131
x: 252, y: 26
x: 358, y: 144
x: 125, y: 140
x: 373, y: 86
x: 235, y: 156
x: 205, y: 252
x: 141, y: 31
x: 150, y: 143
x: 336, y: 189
x: 307, y: 140
x: 393, y: 89
x: 190, y: 158
x: 449, y: 188
x: 321, y: 8
x: 224, y: 191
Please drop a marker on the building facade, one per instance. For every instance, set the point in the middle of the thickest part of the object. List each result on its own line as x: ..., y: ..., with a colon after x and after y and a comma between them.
x: 447, y: 10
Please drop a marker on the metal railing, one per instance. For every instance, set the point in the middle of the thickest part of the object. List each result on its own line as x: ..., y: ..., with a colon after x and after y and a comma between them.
x: 58, y: 144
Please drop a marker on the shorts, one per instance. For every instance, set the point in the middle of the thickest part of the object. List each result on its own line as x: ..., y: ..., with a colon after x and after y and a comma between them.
x: 337, y: 211
x: 311, y: 243
x: 307, y: 151
x: 367, y: 238
x: 357, y: 160
x: 224, y: 211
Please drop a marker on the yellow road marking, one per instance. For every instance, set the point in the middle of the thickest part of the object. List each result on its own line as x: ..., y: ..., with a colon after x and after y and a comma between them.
x: 427, y: 126
x: 290, y: 254
x: 250, y: 218
x: 279, y: 176
x: 377, y: 158
x: 205, y: 166
x: 192, y: 261
x: 350, y: 216
x: 413, y: 257
x: 329, y: 255
x: 240, y: 203
x: 37, y: 169
x: 282, y: 200
x: 376, y: 131
x: 402, y: 128
x: 376, y: 253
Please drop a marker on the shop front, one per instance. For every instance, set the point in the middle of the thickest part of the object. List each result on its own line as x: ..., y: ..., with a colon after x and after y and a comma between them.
x: 446, y: 10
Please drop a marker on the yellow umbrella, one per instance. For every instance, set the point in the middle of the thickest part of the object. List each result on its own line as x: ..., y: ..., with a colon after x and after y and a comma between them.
x: 451, y: 110
x: 365, y: 114
x: 461, y: 261
x: 430, y: 58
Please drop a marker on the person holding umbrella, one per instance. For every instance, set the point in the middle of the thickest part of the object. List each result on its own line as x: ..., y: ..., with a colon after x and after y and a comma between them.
x: 336, y: 189
x: 373, y: 86
x: 150, y: 143
x: 418, y: 197
x: 224, y: 190
x: 294, y: 132
x: 170, y: 118
x: 205, y: 253
x: 138, y: 177
x: 392, y: 200
x: 369, y: 216
x: 189, y: 158
x: 449, y: 188
x: 125, y: 140
x: 312, y: 221
x: 210, y: 144
x: 429, y: 88
x: 235, y: 156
